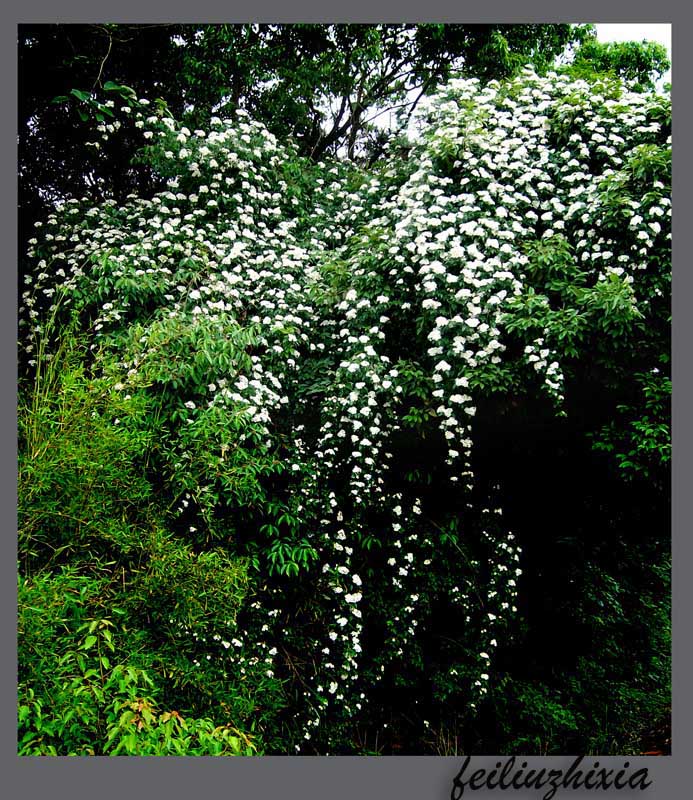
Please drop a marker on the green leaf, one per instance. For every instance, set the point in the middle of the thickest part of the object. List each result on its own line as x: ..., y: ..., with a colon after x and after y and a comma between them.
x: 124, y: 91
x: 80, y: 95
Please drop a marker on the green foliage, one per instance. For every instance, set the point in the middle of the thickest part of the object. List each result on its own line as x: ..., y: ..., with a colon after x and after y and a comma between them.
x: 544, y: 718
x: 283, y: 74
x: 77, y: 700
x: 105, y: 595
x: 599, y: 705
x: 640, y: 63
x: 84, y: 442
x: 641, y: 439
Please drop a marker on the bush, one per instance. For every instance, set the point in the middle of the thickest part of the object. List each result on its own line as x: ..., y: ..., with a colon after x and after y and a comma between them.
x: 87, y: 705
x: 107, y: 599
x: 372, y: 399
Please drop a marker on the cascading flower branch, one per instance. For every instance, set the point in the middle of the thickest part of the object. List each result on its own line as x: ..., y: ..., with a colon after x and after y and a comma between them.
x: 301, y: 323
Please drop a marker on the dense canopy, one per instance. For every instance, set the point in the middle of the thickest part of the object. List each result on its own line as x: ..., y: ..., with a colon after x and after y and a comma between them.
x: 304, y: 436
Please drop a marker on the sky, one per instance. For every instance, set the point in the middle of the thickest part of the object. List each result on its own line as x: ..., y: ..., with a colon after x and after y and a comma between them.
x: 636, y: 32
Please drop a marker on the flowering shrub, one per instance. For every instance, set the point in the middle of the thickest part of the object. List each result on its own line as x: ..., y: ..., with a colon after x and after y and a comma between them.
x: 317, y: 341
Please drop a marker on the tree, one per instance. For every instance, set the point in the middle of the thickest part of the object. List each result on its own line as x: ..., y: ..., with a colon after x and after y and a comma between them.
x: 639, y: 63
x: 322, y: 85
x: 319, y: 84
x: 55, y: 161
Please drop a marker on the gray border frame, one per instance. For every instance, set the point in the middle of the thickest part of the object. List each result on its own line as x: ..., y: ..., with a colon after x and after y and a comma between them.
x: 408, y: 778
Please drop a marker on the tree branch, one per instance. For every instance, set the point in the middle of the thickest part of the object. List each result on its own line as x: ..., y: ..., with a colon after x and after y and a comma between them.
x: 105, y: 58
